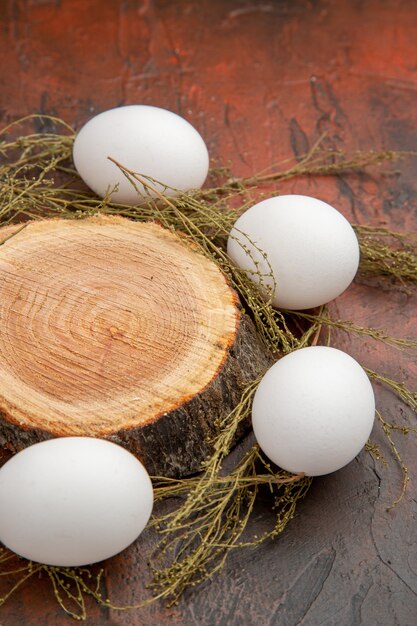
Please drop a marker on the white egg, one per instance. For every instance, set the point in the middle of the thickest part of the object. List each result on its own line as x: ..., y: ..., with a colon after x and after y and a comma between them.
x: 73, y: 501
x: 311, y: 250
x: 146, y: 139
x: 313, y: 411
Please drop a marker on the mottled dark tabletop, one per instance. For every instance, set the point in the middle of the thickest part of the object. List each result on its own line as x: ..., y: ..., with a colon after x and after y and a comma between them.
x: 261, y: 81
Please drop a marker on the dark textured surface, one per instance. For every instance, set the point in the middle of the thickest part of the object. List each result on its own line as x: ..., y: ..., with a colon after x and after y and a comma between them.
x: 261, y: 81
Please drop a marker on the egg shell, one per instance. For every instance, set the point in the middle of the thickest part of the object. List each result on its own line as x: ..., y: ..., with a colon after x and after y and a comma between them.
x: 311, y: 250
x: 148, y: 140
x: 313, y: 411
x: 73, y: 501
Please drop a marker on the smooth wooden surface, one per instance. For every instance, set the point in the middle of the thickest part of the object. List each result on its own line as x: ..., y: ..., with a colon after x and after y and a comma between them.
x: 118, y: 329
x: 261, y: 81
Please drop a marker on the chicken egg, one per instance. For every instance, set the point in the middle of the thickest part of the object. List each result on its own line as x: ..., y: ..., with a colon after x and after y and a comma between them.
x: 313, y: 410
x: 73, y: 501
x: 300, y: 248
x: 148, y: 140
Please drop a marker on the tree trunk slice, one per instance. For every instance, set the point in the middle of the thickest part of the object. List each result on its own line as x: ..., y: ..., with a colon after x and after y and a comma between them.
x: 121, y: 330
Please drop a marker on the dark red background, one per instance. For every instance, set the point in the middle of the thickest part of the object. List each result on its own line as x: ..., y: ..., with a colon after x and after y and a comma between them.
x: 261, y: 81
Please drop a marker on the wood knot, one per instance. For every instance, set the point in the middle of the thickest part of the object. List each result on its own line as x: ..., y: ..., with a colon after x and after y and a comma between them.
x: 115, y: 332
